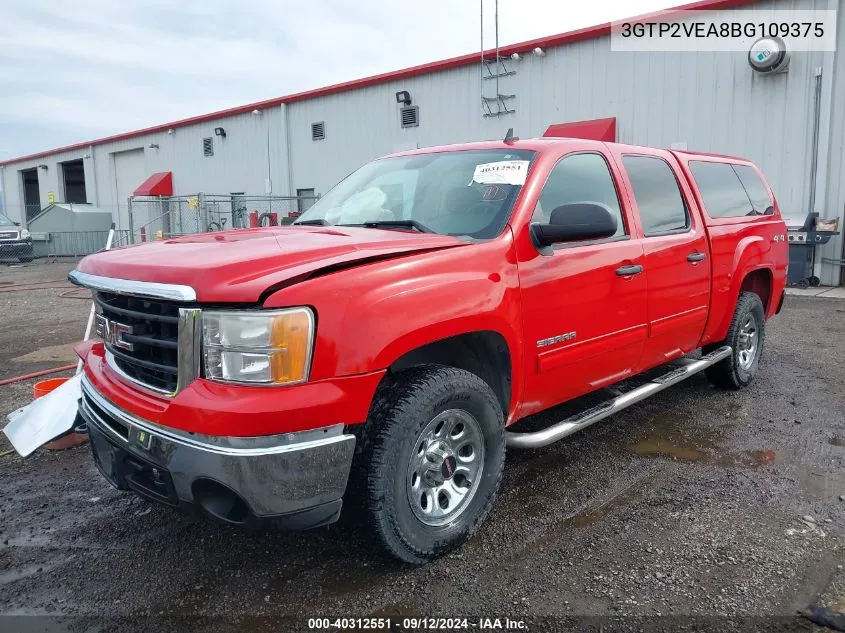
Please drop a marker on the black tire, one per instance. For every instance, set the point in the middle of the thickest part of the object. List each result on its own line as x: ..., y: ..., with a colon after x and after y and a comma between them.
x: 732, y: 372
x: 405, y: 406
x: 815, y: 281
x: 803, y: 283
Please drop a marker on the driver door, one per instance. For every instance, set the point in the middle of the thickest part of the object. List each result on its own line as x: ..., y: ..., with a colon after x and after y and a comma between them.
x: 583, y: 303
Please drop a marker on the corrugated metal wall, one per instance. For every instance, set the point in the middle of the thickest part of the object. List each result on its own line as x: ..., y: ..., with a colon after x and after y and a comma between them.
x: 710, y: 101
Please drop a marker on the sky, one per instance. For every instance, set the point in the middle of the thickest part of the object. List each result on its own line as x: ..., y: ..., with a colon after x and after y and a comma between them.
x: 77, y: 70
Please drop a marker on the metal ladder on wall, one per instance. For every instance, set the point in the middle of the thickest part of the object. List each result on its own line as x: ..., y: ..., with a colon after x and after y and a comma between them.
x: 493, y: 69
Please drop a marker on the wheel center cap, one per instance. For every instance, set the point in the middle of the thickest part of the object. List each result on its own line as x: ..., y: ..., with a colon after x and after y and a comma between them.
x: 447, y: 468
x: 441, y: 463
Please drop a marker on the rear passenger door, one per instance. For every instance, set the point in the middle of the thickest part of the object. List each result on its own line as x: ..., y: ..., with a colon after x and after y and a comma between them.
x: 676, y: 254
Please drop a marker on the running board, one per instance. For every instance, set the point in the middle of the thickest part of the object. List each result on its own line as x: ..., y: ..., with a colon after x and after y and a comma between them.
x: 583, y: 419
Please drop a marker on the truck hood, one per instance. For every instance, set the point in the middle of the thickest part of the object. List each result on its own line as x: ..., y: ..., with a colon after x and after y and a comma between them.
x: 239, y: 266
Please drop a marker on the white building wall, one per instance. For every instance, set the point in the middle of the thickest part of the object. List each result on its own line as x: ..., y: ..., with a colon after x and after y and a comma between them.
x: 239, y: 164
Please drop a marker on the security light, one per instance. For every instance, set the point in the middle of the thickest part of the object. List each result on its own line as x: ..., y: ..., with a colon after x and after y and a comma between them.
x: 171, y: 132
x: 539, y: 52
x: 219, y: 131
x: 516, y: 57
x: 256, y: 112
x: 404, y: 97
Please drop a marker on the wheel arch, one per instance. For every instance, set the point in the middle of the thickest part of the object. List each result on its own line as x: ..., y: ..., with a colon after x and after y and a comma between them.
x: 485, y: 353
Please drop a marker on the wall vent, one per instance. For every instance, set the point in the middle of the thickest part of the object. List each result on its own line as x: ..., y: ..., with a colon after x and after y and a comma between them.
x: 318, y: 131
x: 208, y: 146
x: 410, y: 116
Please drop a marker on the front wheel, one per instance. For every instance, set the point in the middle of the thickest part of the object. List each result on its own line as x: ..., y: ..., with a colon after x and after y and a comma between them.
x: 746, y: 334
x: 434, y: 459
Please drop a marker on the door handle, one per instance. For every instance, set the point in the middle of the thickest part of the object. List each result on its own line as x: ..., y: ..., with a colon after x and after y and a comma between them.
x: 696, y: 257
x: 627, y: 271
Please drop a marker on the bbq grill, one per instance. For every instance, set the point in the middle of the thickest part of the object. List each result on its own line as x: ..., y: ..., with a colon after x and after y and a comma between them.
x: 802, y: 251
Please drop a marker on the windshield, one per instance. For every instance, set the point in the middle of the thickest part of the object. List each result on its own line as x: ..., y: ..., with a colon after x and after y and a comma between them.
x: 4, y: 221
x: 461, y: 193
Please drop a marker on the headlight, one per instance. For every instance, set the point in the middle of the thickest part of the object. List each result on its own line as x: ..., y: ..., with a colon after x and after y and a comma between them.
x: 262, y: 347
x: 25, y: 234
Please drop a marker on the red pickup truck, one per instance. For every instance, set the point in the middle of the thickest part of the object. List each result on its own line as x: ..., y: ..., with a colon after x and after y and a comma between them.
x: 393, y: 336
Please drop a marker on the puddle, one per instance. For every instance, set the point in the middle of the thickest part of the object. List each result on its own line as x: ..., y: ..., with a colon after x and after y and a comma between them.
x: 668, y: 440
x: 663, y: 447
x: 760, y: 458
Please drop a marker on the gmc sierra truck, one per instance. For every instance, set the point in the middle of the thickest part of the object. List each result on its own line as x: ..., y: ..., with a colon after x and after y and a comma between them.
x: 395, y: 335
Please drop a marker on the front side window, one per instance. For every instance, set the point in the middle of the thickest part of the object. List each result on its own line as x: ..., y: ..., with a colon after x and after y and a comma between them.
x: 463, y: 193
x: 721, y: 190
x: 659, y: 200
x: 579, y: 178
x: 4, y: 221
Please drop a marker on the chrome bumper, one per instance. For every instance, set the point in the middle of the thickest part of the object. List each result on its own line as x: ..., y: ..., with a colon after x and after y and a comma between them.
x: 270, y: 475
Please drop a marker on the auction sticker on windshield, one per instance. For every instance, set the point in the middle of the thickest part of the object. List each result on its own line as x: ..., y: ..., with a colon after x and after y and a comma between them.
x: 503, y: 172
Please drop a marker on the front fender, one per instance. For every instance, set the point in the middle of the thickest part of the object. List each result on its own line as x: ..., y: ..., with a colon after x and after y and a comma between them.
x: 371, y: 315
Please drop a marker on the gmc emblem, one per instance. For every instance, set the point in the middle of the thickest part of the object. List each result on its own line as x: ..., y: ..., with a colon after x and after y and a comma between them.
x: 112, y: 333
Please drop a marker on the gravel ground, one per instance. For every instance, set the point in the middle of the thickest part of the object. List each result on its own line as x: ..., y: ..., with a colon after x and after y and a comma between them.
x: 698, y: 509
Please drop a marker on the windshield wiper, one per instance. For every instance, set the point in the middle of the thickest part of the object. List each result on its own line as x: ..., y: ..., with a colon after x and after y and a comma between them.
x: 316, y: 222
x: 398, y: 224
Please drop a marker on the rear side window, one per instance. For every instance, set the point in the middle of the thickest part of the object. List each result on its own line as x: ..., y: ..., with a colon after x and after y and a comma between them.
x: 659, y: 200
x: 721, y: 190
x: 761, y: 201
x: 579, y: 178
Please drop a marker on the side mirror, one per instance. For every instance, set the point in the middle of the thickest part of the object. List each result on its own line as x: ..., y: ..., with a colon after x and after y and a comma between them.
x: 16, y: 223
x: 575, y: 222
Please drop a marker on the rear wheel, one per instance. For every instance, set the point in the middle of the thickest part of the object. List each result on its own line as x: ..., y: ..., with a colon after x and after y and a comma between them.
x: 745, y: 336
x: 434, y: 457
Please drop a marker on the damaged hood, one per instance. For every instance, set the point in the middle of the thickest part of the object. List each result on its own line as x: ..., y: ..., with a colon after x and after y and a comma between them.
x: 238, y: 266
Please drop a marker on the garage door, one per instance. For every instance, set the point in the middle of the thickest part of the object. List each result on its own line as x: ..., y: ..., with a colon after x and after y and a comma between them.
x: 130, y: 170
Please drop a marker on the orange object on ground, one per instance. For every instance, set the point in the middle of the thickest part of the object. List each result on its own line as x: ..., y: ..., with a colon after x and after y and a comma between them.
x: 42, y: 388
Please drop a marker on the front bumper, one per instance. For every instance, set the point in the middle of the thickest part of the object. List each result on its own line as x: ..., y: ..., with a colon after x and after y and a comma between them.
x: 19, y: 248
x: 294, y: 480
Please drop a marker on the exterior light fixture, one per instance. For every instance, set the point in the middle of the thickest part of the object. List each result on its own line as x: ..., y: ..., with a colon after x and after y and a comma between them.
x: 170, y: 132
x: 516, y: 57
x: 256, y: 112
x: 403, y: 97
x: 43, y: 166
x: 219, y: 131
x: 539, y: 52
x: 153, y: 145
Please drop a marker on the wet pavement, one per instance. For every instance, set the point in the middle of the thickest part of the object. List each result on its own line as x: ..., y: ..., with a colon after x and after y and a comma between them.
x: 697, y: 508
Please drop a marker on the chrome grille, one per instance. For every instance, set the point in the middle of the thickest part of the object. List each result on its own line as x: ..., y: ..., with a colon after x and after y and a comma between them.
x: 9, y: 235
x: 142, y: 338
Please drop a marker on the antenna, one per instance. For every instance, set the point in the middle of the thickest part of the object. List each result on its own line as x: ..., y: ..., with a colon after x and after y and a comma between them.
x: 510, y: 139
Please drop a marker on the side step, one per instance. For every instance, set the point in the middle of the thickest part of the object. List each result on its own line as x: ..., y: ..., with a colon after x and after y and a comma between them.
x: 583, y: 419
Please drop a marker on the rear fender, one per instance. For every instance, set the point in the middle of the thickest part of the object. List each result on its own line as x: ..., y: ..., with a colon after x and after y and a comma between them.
x: 750, y: 255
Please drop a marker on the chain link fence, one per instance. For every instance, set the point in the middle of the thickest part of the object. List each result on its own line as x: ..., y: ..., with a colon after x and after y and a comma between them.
x: 75, y: 230
x: 160, y: 218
